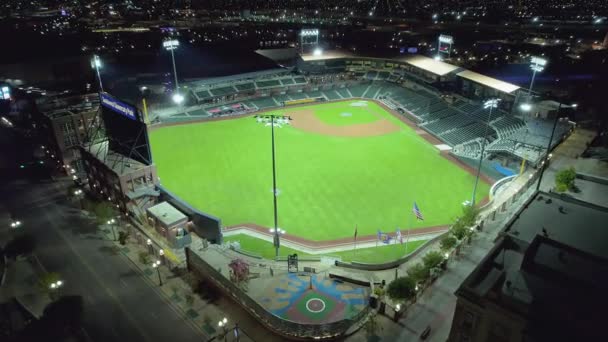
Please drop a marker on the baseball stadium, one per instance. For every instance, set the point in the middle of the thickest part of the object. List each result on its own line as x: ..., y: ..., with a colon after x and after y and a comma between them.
x: 371, y: 157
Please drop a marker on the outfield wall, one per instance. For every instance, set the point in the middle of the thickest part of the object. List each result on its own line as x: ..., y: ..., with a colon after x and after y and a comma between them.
x: 206, y: 226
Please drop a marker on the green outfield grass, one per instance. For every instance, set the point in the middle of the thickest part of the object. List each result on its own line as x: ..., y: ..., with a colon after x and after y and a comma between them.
x: 335, y: 113
x: 380, y: 254
x: 327, y: 184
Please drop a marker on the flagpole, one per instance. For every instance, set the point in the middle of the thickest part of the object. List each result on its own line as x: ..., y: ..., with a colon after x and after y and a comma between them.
x: 407, y: 237
x: 355, y: 248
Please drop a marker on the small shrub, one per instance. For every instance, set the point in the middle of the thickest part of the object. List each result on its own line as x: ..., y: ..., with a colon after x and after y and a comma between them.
x: 448, y: 241
x: 123, y: 237
x: 432, y: 260
x: 402, y: 289
x: 144, y: 258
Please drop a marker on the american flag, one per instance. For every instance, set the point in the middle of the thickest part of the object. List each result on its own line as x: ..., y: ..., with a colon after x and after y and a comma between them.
x: 417, y: 212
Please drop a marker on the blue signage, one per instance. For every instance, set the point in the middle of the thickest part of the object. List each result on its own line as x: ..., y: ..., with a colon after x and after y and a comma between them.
x: 119, y: 107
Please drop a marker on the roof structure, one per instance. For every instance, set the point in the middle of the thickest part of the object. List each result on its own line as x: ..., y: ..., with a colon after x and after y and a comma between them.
x: 550, y: 268
x: 167, y: 214
x: 431, y: 65
x: 499, y: 85
x: 333, y: 54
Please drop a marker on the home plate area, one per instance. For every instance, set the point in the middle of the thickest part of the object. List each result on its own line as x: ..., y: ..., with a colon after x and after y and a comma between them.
x: 328, y: 300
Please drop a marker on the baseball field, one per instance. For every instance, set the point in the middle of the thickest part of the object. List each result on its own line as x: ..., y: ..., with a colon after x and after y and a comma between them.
x: 339, y: 165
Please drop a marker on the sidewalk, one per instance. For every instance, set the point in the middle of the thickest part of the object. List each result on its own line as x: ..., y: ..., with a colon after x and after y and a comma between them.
x: 202, y: 314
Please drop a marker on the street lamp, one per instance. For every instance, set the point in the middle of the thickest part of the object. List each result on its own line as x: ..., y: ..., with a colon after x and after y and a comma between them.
x: 111, y: 223
x: 548, y: 153
x: 171, y: 45
x: 272, y: 120
x: 156, y: 265
x: 96, y: 64
x: 489, y: 104
x: 526, y: 107
x: 223, y: 324
x: 78, y: 193
x: 537, y: 65
x: 16, y: 224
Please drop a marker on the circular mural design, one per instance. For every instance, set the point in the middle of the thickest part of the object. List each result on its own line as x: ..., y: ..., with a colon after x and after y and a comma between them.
x: 315, y: 305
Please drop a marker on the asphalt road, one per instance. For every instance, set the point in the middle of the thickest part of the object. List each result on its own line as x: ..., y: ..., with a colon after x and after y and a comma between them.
x: 120, y: 305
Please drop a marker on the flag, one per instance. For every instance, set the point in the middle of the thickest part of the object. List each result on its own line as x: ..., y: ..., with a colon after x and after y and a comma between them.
x: 355, y: 233
x: 417, y: 212
x: 399, y: 237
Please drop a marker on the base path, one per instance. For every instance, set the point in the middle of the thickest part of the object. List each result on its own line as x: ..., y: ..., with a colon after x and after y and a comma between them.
x: 306, y: 120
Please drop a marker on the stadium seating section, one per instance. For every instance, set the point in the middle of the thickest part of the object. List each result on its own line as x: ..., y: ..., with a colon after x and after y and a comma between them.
x: 462, y: 124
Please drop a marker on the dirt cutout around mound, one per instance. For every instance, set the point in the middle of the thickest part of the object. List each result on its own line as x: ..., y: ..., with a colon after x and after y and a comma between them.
x: 307, y: 121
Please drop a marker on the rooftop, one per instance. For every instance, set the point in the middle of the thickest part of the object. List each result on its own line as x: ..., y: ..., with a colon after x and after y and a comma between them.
x: 167, y: 214
x: 550, y: 268
x: 118, y: 163
x: 488, y: 81
x: 333, y: 54
x: 431, y: 65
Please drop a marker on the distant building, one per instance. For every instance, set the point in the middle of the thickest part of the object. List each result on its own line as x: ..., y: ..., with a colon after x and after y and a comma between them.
x: 544, y: 280
x: 65, y: 123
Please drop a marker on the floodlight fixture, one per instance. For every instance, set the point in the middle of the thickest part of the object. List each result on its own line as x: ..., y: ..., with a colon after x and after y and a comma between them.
x: 437, y: 58
x: 309, y: 32
x: 317, y: 52
x: 492, y: 103
x: 178, y: 98
x: 96, y: 62
x: 526, y: 107
x: 171, y: 44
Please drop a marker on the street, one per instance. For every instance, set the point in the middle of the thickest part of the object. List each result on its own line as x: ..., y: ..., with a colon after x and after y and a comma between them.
x: 120, y: 304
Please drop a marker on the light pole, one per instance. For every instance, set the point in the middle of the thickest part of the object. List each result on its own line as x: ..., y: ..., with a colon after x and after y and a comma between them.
x: 111, y: 223
x: 489, y: 104
x: 54, y: 287
x: 223, y: 324
x: 273, y: 119
x: 537, y: 65
x: 548, y: 154
x: 96, y: 64
x: 78, y: 193
x: 156, y: 265
x: 15, y: 224
x: 171, y: 45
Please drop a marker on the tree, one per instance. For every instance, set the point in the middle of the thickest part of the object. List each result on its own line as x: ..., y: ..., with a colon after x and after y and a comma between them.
x: 448, y: 241
x: 432, y: 260
x: 104, y: 212
x: 469, y: 215
x: 419, y: 273
x: 564, y: 179
x: 123, y: 237
x: 372, y: 327
x: 459, y: 230
x: 402, y: 289
x: 22, y: 244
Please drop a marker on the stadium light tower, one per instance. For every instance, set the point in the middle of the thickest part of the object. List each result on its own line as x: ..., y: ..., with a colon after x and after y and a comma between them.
x: 537, y: 65
x: 489, y: 105
x: 96, y: 64
x: 171, y: 45
x: 274, y: 120
x: 309, y: 37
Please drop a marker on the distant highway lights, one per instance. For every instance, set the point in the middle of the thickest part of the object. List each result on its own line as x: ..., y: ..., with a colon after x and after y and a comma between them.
x: 96, y: 64
x: 156, y: 265
x: 489, y: 105
x: 111, y: 223
x: 272, y: 120
x: 171, y: 45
